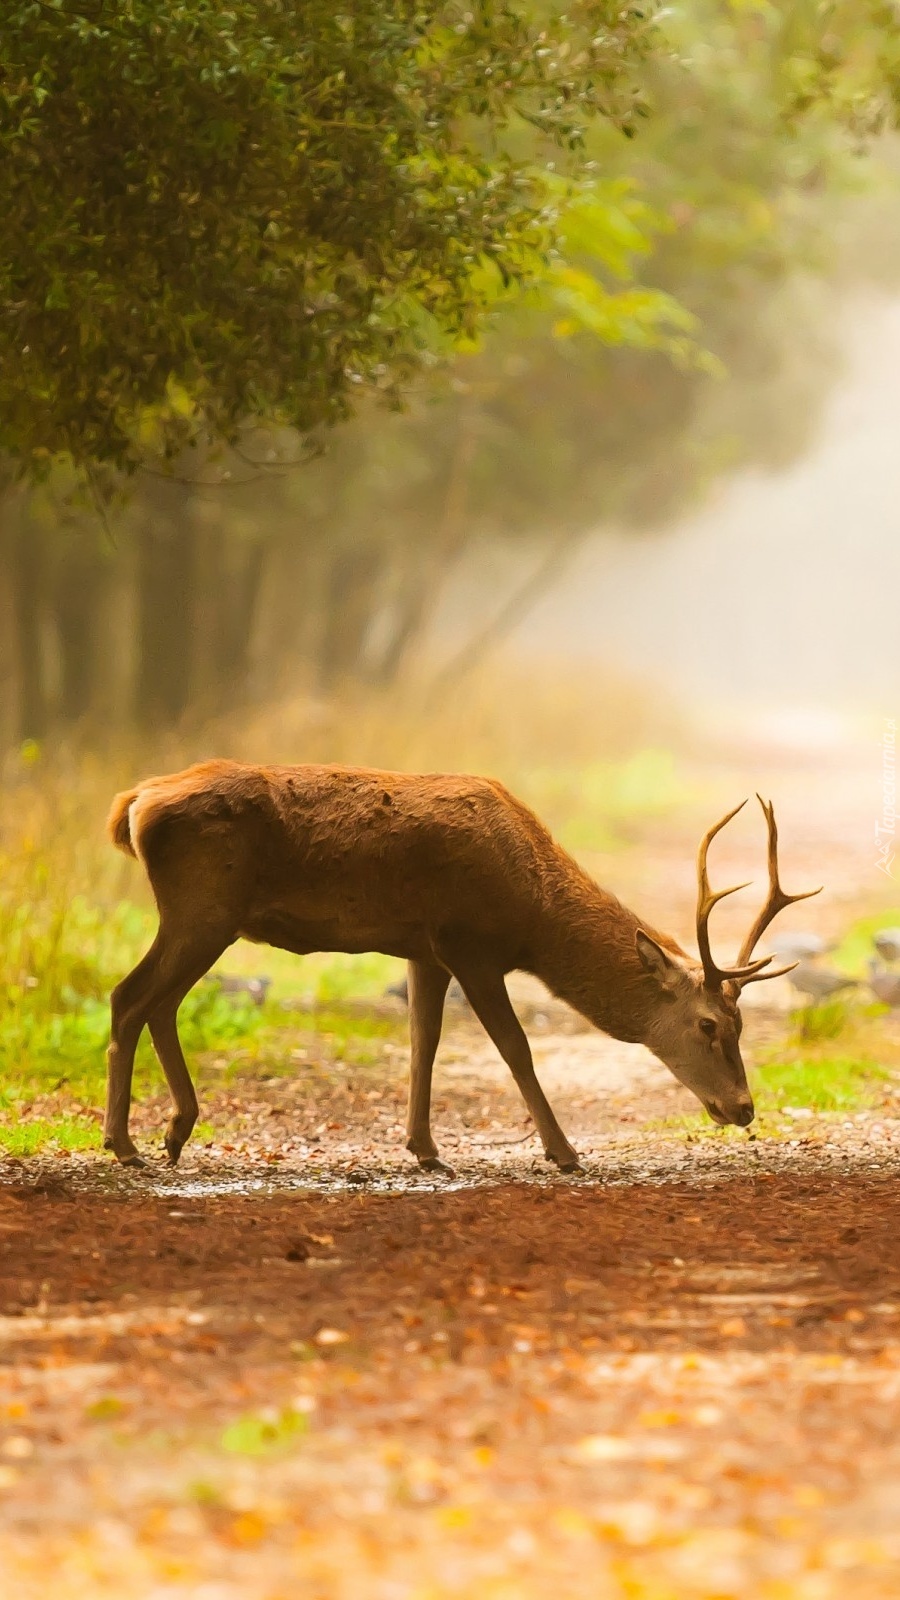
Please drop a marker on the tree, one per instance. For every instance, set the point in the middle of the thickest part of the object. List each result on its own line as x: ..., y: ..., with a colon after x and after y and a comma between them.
x: 214, y: 214
x: 707, y: 233
x: 655, y: 330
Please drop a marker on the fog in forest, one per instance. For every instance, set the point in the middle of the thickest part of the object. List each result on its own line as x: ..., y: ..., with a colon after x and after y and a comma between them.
x: 780, y: 592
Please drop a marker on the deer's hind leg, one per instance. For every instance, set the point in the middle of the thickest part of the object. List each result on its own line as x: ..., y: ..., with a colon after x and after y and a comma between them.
x: 427, y: 990
x: 163, y: 1026
x: 151, y: 994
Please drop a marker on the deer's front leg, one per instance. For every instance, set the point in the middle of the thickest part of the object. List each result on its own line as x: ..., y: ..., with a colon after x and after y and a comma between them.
x: 486, y: 993
x: 427, y: 989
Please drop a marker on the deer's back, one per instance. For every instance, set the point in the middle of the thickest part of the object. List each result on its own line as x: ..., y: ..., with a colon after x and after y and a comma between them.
x: 343, y: 857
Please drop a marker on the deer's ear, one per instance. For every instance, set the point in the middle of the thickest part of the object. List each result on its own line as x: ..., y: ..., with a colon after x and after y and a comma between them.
x: 658, y: 962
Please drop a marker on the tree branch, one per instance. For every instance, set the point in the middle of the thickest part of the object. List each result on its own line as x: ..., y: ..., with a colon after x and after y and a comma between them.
x: 516, y: 606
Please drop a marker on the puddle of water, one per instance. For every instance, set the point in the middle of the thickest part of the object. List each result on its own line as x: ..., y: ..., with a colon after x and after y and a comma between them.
x: 189, y: 1183
x: 608, y: 1165
x: 307, y: 1183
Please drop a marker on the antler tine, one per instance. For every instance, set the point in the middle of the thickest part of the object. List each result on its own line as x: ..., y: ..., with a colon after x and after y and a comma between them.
x: 776, y: 900
x: 779, y: 972
x: 714, y: 976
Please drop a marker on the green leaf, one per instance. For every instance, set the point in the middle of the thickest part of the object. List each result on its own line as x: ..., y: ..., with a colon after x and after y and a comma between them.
x: 258, y: 1434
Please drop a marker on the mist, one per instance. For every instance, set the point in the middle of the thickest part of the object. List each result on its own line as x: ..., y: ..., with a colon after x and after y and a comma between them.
x: 779, y: 592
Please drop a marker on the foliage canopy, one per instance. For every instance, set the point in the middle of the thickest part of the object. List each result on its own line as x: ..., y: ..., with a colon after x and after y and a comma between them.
x: 213, y: 213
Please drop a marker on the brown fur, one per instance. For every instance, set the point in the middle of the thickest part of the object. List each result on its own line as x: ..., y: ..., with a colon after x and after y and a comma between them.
x: 117, y: 825
x: 377, y: 846
x: 451, y: 873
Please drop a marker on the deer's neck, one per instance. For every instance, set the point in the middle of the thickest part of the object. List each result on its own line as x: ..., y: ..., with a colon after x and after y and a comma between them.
x: 585, y: 953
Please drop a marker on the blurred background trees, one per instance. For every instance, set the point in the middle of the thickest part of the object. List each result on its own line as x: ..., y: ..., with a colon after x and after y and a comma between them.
x: 588, y: 255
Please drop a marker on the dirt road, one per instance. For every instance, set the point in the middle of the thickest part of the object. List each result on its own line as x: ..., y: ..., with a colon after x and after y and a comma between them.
x: 295, y: 1367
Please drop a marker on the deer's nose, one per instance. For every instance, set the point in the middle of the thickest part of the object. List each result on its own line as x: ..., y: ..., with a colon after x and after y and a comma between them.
x: 739, y: 1112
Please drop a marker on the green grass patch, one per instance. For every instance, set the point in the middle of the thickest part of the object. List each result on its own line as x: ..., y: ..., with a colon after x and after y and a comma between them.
x: 302, y: 1038
x: 836, y: 1057
x: 317, y: 1037
x: 856, y: 949
x: 816, y: 1024
x: 817, y: 1081
x: 32, y: 1136
x: 260, y: 1434
x: 43, y: 1052
x: 322, y: 979
x: 335, y: 978
x: 109, y: 1408
x: 51, y: 1042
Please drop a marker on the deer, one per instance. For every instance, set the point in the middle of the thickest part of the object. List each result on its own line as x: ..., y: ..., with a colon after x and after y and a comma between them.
x: 448, y: 872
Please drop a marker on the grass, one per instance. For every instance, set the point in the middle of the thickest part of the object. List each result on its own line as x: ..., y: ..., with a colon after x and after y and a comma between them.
x: 823, y: 1081
x: 836, y: 1057
x: 264, y: 1433
x: 856, y: 949
x: 63, y: 1133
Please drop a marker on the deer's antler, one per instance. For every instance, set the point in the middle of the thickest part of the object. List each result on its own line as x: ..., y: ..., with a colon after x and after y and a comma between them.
x: 776, y: 901
x: 713, y: 975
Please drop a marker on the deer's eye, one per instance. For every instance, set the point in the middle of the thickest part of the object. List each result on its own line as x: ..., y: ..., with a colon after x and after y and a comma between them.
x: 707, y: 1026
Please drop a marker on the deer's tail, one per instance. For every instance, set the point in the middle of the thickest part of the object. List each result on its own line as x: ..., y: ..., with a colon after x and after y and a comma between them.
x: 118, y: 825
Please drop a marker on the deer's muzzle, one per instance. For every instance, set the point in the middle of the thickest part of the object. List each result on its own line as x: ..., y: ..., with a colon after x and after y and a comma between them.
x: 738, y: 1114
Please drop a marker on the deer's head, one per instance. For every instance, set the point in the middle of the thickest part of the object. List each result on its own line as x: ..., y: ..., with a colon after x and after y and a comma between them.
x: 696, y: 1027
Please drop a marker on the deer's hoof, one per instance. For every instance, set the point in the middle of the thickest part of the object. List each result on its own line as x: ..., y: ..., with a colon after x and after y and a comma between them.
x: 126, y: 1155
x: 568, y: 1163
x: 433, y: 1164
x: 178, y: 1131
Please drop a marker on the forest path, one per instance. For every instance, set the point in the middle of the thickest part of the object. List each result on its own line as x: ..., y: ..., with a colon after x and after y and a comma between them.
x: 295, y: 1366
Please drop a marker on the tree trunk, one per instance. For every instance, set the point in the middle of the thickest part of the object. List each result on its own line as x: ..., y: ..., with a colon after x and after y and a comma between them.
x: 81, y: 582
x: 9, y: 685
x: 421, y: 588
x: 237, y: 600
x: 26, y: 581
x: 513, y: 610
x: 167, y: 578
x: 353, y: 580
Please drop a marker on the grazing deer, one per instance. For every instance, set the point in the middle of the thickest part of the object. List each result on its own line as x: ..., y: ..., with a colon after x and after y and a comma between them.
x: 451, y: 873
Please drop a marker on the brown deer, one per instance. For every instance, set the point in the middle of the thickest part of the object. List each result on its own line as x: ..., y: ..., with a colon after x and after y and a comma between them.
x: 452, y: 874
